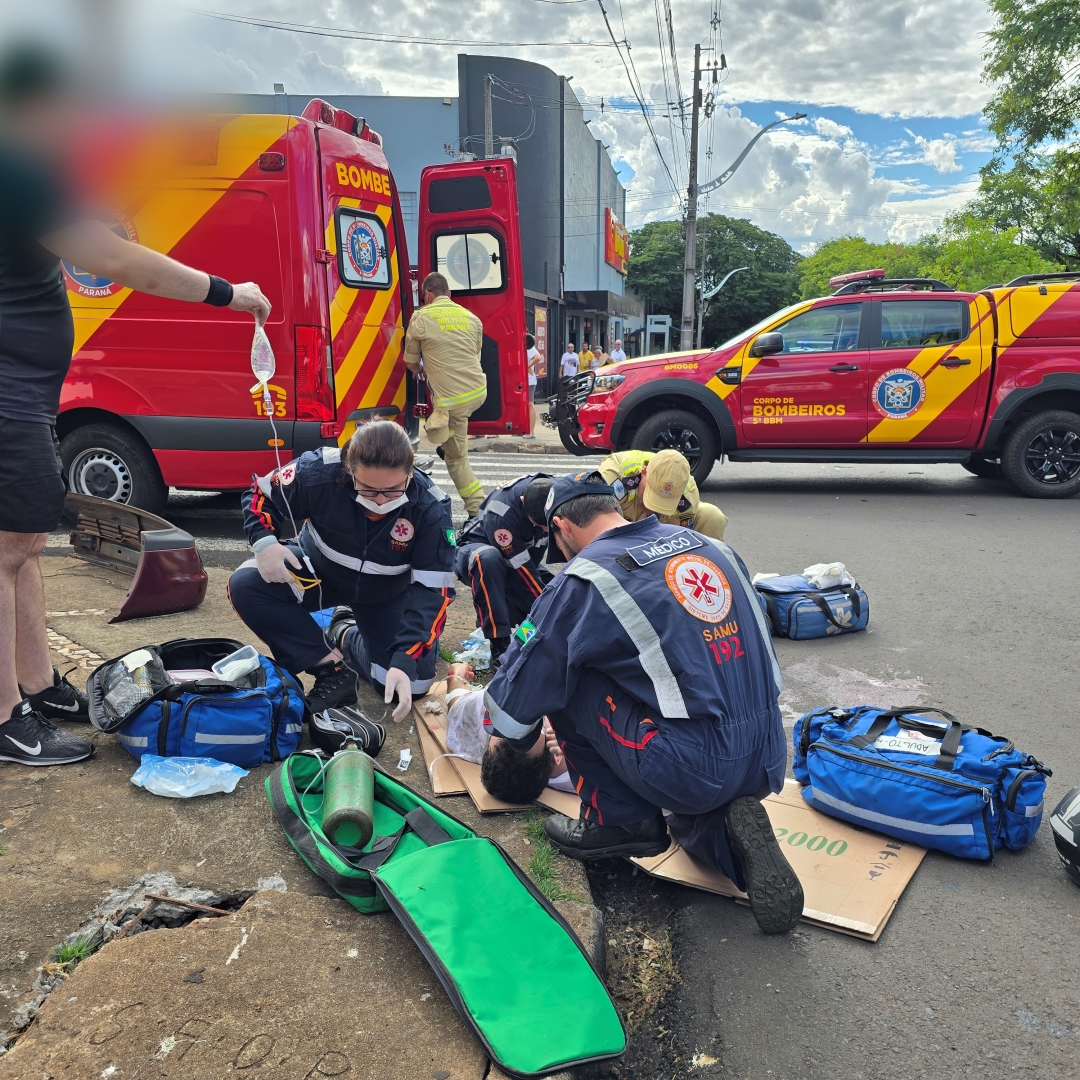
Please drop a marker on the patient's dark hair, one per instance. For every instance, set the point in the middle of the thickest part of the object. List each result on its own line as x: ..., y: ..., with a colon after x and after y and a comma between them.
x: 535, y: 496
x: 379, y: 444
x: 514, y: 777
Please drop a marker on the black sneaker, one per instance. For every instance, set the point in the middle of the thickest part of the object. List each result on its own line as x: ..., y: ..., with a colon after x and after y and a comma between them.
x: 335, y: 685
x: 586, y: 840
x: 30, y: 739
x: 340, y: 622
x: 773, y: 889
x: 61, y: 701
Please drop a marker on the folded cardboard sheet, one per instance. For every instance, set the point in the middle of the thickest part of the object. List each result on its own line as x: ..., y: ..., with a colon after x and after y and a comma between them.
x: 455, y: 775
x: 852, y: 878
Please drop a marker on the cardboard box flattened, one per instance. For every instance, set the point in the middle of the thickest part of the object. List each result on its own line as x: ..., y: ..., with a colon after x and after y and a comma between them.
x: 851, y: 878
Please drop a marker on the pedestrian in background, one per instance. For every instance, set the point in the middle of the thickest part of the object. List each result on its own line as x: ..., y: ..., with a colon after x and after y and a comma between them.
x: 444, y: 341
x: 568, y: 365
x: 532, y: 357
x: 39, y: 227
x: 617, y: 354
x: 585, y: 358
x: 600, y: 359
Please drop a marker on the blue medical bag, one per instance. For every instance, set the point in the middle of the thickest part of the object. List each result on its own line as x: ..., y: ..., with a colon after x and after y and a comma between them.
x: 796, y: 609
x: 257, y: 719
x: 937, y: 783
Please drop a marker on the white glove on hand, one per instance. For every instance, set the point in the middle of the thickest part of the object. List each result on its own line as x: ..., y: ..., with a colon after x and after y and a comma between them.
x: 272, y: 563
x: 397, y: 682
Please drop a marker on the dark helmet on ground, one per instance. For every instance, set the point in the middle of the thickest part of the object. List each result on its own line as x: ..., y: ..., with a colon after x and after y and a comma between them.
x: 332, y: 728
x: 1065, y: 823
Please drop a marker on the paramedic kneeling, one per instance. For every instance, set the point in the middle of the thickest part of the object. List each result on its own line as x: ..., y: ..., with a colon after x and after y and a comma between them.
x: 377, y: 538
x: 651, y: 658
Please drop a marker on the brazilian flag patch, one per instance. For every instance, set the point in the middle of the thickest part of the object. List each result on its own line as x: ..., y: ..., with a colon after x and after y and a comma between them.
x: 452, y: 537
x: 525, y: 632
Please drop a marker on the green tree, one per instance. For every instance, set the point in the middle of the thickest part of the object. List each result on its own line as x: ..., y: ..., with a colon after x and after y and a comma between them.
x: 973, y: 255
x: 1033, y: 182
x: 846, y: 254
x: 655, y: 272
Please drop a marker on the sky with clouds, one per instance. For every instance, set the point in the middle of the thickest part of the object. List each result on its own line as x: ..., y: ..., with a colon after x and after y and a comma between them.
x: 892, y: 141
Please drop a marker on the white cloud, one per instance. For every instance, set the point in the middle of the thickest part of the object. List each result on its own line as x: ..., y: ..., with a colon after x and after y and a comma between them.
x: 940, y: 153
x: 830, y: 128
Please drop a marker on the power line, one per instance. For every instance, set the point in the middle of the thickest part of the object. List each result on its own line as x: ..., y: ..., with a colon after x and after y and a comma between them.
x: 364, y: 35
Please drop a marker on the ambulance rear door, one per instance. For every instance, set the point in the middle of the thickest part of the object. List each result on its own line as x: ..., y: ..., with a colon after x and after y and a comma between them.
x: 468, y: 231
x: 362, y: 255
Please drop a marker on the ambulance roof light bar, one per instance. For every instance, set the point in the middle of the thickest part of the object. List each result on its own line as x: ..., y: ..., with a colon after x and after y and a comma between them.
x: 867, y: 280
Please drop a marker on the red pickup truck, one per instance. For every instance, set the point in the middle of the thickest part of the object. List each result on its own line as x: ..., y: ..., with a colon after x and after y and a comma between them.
x: 900, y: 371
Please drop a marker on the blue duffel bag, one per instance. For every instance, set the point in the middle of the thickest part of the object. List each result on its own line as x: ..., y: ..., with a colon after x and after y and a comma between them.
x: 937, y: 783
x: 796, y: 609
x: 259, y: 718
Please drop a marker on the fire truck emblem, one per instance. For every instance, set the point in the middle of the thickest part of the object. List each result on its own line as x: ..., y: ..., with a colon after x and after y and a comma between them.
x: 362, y: 247
x: 700, y: 586
x: 401, y: 532
x: 85, y: 283
x: 899, y: 393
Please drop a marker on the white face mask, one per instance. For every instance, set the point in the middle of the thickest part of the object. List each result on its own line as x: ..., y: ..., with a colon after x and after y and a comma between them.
x: 382, y: 508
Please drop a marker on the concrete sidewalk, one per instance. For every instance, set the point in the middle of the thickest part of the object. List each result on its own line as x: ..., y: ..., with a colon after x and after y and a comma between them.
x: 71, y: 833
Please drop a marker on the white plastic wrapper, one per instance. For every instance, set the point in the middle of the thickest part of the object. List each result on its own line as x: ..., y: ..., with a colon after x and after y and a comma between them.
x: 185, y: 777
x: 828, y: 575
x: 465, y: 734
x: 263, y: 364
x: 475, y: 650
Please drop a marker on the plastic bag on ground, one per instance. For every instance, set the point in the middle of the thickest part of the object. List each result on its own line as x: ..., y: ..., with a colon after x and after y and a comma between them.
x: 185, y: 777
x: 476, y: 650
x: 828, y: 575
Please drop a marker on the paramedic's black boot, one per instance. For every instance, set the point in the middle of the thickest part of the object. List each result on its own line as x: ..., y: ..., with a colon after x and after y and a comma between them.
x: 775, y: 894
x: 335, y: 685
x: 441, y: 452
x: 586, y: 840
x: 61, y: 701
x: 30, y: 739
x: 340, y: 622
x: 499, y: 646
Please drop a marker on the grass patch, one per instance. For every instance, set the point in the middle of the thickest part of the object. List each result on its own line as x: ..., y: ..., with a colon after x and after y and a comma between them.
x: 641, y: 970
x: 71, y: 953
x: 4, y: 849
x: 446, y: 653
x: 541, y: 864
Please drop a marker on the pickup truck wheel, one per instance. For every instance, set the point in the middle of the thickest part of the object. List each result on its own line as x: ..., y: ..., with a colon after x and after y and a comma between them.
x: 983, y: 468
x: 674, y: 429
x: 1042, y: 455
x: 111, y: 463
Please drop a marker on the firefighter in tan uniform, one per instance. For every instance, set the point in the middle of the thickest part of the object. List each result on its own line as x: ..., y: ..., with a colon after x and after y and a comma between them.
x: 444, y: 341
x: 661, y: 484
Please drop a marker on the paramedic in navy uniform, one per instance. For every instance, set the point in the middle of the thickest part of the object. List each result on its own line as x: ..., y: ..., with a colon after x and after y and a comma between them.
x: 378, y: 534
x: 650, y: 657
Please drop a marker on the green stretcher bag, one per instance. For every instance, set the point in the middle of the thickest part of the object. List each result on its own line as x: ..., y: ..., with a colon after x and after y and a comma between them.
x: 518, y: 976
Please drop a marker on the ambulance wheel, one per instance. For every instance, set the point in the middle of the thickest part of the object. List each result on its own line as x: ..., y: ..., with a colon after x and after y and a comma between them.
x: 983, y: 468
x: 107, y: 461
x: 675, y: 429
x: 1042, y: 455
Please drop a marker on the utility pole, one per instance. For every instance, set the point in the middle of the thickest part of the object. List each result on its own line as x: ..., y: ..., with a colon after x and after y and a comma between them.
x: 489, y: 137
x: 686, y: 338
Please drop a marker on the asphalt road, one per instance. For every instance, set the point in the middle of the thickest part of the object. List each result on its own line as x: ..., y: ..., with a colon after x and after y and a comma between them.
x: 975, y: 594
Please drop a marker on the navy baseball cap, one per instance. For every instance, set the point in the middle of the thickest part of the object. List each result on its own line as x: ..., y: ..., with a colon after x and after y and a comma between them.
x: 562, y: 491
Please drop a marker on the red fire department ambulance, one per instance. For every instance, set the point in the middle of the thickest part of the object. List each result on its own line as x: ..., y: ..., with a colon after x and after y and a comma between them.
x: 159, y: 392
x: 903, y: 371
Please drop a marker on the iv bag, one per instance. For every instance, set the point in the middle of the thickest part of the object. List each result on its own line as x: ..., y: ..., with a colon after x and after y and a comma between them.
x: 262, y: 358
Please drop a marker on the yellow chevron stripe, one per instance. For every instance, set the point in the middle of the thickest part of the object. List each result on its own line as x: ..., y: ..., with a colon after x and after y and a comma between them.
x: 943, y: 385
x: 170, y: 214
x: 379, y: 380
x: 373, y: 323
x: 344, y: 298
x: 1019, y: 308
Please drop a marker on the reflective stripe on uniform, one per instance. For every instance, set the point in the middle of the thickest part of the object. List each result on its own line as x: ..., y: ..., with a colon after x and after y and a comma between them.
x: 470, y: 489
x: 496, y: 507
x: 461, y: 399
x: 331, y: 455
x: 887, y: 819
x: 520, y: 559
x: 434, y: 579
x: 360, y: 565
x: 419, y: 686
x: 639, y: 630
x: 504, y: 724
x: 755, y: 605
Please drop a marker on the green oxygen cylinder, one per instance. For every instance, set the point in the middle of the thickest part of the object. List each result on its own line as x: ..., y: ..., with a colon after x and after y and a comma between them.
x: 348, y: 816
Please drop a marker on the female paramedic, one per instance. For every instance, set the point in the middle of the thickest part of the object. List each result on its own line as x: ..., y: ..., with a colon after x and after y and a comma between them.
x: 377, y: 537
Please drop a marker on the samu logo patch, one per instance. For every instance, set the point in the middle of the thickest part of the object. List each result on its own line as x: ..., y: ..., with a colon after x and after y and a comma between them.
x: 700, y: 586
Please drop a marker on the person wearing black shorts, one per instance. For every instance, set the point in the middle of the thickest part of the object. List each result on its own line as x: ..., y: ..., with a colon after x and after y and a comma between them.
x: 38, y: 228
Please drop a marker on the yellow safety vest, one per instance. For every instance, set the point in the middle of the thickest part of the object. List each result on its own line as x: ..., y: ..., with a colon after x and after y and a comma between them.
x: 448, y: 337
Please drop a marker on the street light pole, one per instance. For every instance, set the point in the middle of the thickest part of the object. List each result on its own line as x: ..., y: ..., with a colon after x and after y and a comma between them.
x: 489, y: 134
x: 686, y: 337
x: 712, y: 293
